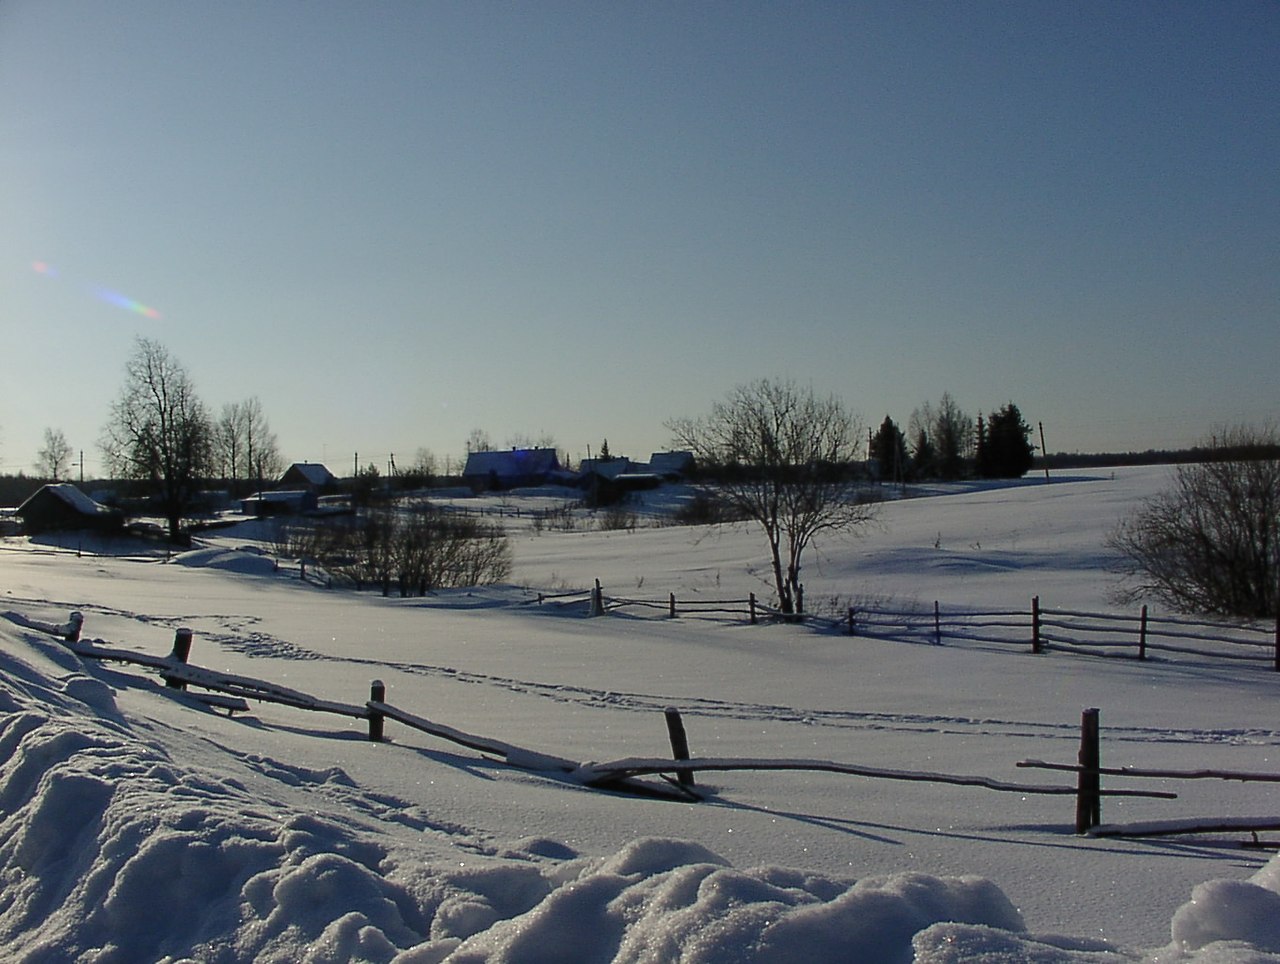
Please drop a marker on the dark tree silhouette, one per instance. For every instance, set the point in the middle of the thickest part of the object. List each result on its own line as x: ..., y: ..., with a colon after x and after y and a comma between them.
x: 159, y: 431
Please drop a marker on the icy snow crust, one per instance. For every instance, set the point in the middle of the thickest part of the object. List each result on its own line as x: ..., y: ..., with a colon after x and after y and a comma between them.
x: 136, y: 825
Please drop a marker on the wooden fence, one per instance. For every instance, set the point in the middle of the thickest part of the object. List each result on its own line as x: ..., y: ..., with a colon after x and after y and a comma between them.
x: 230, y: 692
x: 1136, y: 635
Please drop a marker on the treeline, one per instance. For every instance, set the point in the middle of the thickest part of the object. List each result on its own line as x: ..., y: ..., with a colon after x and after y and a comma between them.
x: 1195, y: 454
x: 944, y: 442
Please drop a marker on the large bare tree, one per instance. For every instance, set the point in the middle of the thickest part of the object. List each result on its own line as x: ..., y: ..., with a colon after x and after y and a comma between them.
x: 782, y: 457
x: 159, y: 431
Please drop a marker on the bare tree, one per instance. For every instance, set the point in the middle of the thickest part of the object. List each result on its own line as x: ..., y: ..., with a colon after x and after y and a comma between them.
x: 1211, y: 542
x: 783, y: 459
x: 159, y: 431
x: 953, y: 435
x: 54, y: 458
x: 245, y: 445
x: 479, y: 441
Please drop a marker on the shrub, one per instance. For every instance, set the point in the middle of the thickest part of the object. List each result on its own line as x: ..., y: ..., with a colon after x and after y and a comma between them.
x: 1211, y: 542
x: 416, y: 552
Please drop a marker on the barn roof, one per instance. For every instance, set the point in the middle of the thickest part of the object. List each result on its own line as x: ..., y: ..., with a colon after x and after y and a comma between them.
x: 313, y: 473
x: 69, y: 494
x: 513, y: 464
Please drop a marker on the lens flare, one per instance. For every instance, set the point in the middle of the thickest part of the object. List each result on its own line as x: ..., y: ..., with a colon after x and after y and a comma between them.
x: 128, y: 304
x: 109, y: 295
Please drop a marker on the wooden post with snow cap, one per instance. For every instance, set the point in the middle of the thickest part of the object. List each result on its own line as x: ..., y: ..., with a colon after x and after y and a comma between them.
x: 377, y: 694
x: 181, y: 652
x: 1089, y: 780
x: 679, y: 743
x: 597, y: 600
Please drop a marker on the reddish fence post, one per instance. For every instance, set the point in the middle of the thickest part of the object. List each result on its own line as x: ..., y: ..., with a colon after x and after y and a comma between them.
x: 1035, y: 624
x: 672, y: 601
x: 679, y: 743
x: 377, y: 694
x: 181, y: 652
x: 1089, y: 781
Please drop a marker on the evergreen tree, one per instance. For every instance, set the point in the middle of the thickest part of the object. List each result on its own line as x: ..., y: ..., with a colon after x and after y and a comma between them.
x: 1004, y: 446
x: 889, y: 448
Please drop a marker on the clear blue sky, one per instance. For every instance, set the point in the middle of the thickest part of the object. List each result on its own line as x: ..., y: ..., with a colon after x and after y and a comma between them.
x: 395, y: 222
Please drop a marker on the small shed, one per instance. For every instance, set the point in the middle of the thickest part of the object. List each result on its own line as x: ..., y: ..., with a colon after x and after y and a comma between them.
x: 280, y: 502
x: 60, y: 505
x: 312, y: 476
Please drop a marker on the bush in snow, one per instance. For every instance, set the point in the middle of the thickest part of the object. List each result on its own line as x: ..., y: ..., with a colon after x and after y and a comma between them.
x: 1211, y: 542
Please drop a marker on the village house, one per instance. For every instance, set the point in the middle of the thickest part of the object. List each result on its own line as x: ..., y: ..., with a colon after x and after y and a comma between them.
x: 518, y: 468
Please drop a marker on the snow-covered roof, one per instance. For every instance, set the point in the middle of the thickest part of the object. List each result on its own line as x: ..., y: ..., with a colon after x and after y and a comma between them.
x: 72, y: 496
x: 515, y: 463
x: 670, y: 463
x: 313, y: 473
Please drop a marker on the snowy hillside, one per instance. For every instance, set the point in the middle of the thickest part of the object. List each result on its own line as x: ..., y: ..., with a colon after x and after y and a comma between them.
x: 138, y: 824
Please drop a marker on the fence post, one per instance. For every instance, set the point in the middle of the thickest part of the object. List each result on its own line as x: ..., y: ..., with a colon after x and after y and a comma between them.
x: 852, y: 616
x: 1089, y: 781
x: 1035, y: 624
x: 74, y: 625
x: 679, y: 743
x: 937, y: 624
x: 752, y: 600
x: 597, y: 600
x: 1142, y: 634
x: 181, y: 652
x: 673, y: 605
x: 377, y: 694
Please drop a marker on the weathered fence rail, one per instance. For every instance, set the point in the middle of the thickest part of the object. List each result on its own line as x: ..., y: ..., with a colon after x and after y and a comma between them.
x: 1089, y: 792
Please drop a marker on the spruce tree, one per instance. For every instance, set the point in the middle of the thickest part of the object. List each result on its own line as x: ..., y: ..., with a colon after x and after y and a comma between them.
x: 1005, y: 450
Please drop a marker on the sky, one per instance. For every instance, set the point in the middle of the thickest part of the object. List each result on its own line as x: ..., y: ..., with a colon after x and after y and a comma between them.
x: 395, y: 223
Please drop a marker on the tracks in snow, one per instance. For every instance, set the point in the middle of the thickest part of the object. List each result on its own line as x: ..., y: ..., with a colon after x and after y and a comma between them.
x: 242, y: 634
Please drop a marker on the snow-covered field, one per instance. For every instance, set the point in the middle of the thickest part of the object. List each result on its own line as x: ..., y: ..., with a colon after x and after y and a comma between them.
x: 138, y: 825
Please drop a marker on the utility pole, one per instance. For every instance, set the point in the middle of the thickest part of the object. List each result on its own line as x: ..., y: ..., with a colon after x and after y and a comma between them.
x: 1044, y: 452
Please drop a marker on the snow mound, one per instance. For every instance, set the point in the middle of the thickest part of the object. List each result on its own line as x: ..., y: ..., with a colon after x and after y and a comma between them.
x: 244, y: 562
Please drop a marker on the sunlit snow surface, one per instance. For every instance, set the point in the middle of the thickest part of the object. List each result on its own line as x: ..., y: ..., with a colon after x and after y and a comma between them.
x: 136, y: 825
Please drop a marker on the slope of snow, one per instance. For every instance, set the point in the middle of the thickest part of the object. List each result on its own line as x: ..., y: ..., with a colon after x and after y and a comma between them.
x: 138, y: 824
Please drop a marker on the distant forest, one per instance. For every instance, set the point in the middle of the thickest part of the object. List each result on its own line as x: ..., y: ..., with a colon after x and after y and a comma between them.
x: 1199, y: 453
